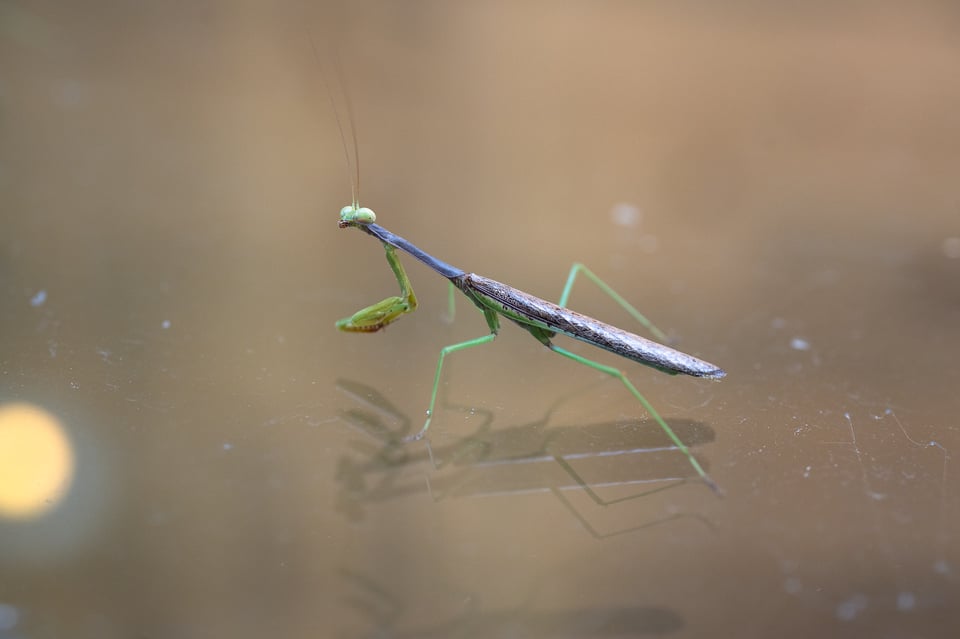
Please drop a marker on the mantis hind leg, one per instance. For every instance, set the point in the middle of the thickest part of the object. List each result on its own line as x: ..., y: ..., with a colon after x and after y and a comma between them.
x: 613, y: 372
x: 578, y: 268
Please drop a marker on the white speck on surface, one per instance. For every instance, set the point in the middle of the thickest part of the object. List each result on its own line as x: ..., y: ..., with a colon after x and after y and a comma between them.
x: 227, y: 446
x: 951, y: 248
x: 906, y: 601
x: 799, y: 344
x: 39, y: 298
x: 849, y: 609
x: 941, y: 567
x: 165, y: 324
x: 806, y: 472
x: 9, y: 616
x: 628, y: 215
x: 792, y: 585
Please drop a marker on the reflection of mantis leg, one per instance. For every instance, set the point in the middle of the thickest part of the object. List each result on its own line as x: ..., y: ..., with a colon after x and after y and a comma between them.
x: 593, y: 532
x: 375, y: 602
x: 580, y: 481
x: 565, y: 465
x: 373, y: 425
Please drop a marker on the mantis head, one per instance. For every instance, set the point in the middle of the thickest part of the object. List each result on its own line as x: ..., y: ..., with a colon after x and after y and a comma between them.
x: 354, y: 215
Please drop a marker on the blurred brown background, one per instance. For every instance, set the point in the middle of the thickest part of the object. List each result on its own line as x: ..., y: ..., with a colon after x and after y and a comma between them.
x: 774, y: 185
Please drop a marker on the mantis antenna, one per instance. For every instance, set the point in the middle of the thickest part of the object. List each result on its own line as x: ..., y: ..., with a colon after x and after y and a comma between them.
x: 353, y: 173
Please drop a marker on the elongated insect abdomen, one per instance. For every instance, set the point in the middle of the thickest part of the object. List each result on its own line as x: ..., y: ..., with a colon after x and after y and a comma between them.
x: 525, y: 308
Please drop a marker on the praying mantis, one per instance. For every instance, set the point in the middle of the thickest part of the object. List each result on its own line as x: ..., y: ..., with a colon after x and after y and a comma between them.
x: 541, y: 318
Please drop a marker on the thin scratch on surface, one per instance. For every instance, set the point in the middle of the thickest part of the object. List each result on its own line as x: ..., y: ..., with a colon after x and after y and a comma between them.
x: 849, y: 610
x: 941, y: 523
x: 876, y: 496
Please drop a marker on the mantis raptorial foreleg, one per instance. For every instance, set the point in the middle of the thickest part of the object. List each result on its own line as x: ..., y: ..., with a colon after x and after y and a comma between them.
x: 374, y: 317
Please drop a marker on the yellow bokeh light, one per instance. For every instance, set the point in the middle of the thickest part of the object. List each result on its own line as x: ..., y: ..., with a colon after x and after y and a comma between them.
x: 36, y: 461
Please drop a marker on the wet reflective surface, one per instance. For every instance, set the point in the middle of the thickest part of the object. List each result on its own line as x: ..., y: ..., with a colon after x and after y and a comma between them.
x: 190, y: 449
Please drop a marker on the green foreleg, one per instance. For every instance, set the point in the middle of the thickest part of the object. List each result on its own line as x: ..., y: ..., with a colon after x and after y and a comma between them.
x: 376, y: 316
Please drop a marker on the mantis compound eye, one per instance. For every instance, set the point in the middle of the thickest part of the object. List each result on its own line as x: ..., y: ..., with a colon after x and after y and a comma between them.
x: 366, y: 216
x: 356, y: 215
